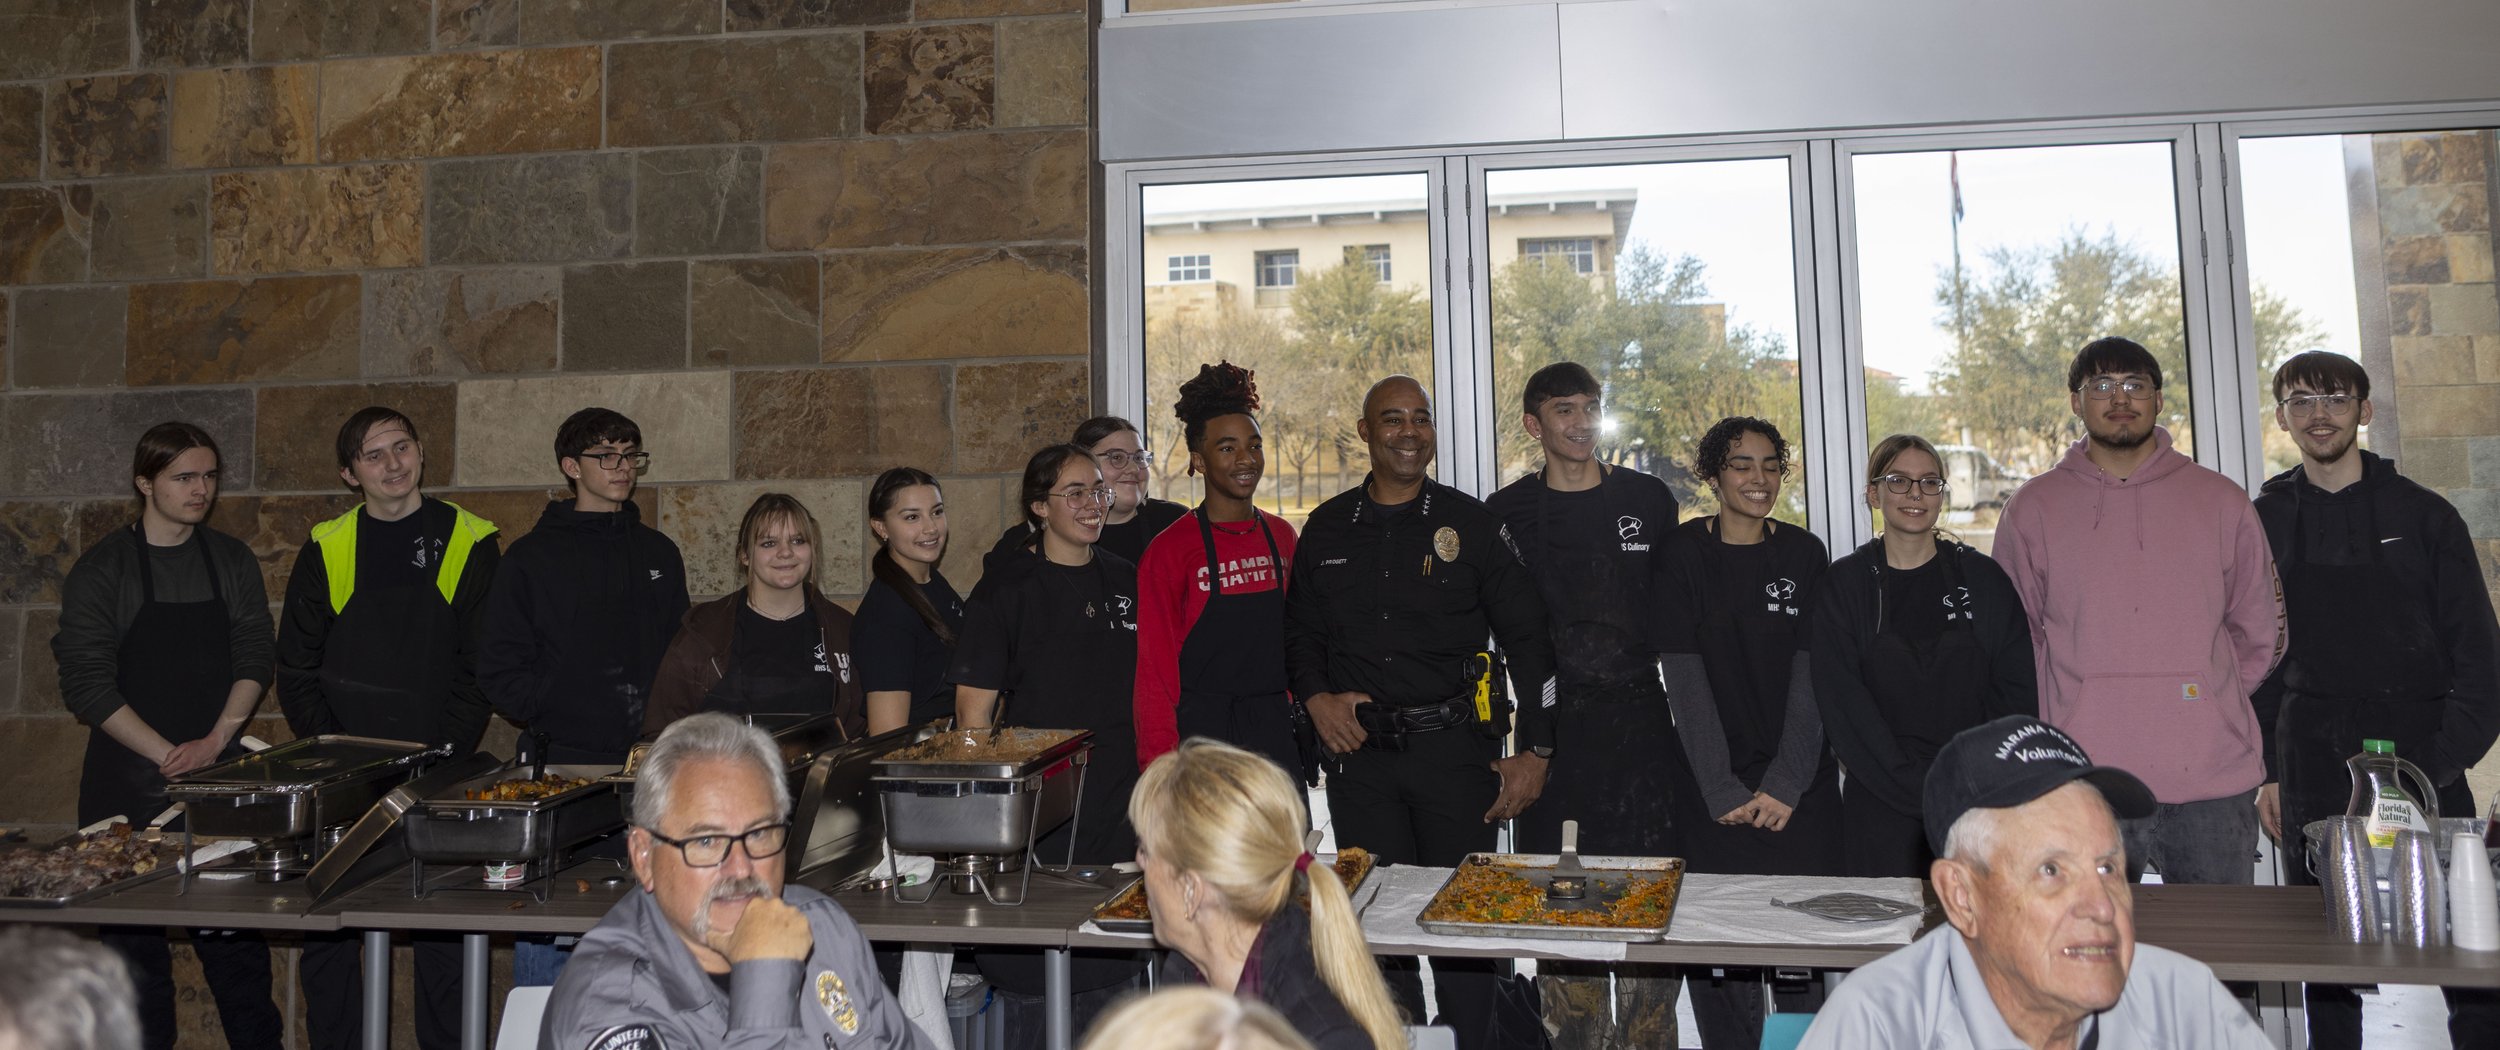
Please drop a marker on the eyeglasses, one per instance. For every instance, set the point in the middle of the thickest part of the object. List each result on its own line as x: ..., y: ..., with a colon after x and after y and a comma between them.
x: 613, y: 460
x: 708, y: 851
x: 1122, y: 459
x: 2314, y: 404
x: 1900, y: 484
x: 2103, y: 388
x: 1079, y: 499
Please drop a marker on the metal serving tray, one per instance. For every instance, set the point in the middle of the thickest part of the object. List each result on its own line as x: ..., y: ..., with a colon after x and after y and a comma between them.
x: 168, y: 861
x: 294, y: 789
x: 801, y: 738
x: 1607, y: 880
x: 837, y: 830
x: 1062, y: 743
x: 986, y: 808
x: 1133, y: 899
x: 450, y: 828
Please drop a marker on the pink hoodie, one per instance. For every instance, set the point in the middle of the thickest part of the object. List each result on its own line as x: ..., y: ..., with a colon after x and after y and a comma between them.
x: 2154, y: 615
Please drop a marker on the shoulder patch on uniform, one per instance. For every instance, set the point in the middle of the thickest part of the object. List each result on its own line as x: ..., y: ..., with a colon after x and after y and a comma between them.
x: 628, y: 1037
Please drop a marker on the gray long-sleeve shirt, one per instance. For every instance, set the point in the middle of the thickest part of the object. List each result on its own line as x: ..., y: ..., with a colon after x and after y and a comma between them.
x: 102, y: 597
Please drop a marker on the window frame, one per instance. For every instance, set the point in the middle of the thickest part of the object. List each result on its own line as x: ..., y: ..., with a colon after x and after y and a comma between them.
x: 1175, y: 265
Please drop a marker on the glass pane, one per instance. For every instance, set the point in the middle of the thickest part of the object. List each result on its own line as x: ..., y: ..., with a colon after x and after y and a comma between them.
x: 1317, y: 338
x: 1981, y: 272
x: 1674, y: 283
x: 2301, y: 281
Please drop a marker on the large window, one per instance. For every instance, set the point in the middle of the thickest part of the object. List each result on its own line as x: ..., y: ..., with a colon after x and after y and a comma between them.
x: 1317, y: 339
x: 1981, y: 272
x: 1694, y: 321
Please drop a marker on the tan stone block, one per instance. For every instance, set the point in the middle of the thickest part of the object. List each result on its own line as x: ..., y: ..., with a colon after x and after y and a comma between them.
x: 549, y: 208
x: 819, y: 422
x: 21, y: 132
x: 38, y: 674
x: 301, y: 29
x: 2417, y: 260
x: 287, y: 415
x: 40, y: 780
x: 1004, y: 412
x: 1042, y: 71
x: 750, y: 15
x: 69, y: 337
x: 956, y: 189
x: 12, y: 631
x: 2463, y: 309
x: 977, y: 510
x: 2433, y: 359
x: 972, y: 302
x: 755, y: 311
x: 454, y: 322
x: 703, y: 519
x: 2465, y: 156
x: 36, y: 551
x: 696, y: 92
x: 506, y: 424
x: 2466, y: 211
x: 2420, y: 155
x: 364, y: 217
x: 148, y: 228
x: 941, y: 10
x: 277, y: 527
x: 476, y: 23
x: 50, y: 38
x: 113, y: 125
x: 240, y: 118
x: 528, y: 101
x: 560, y: 21
x: 235, y: 331
x: 2450, y: 411
x: 54, y: 447
x: 2387, y: 161
x: 931, y: 78
x: 2487, y: 358
x: 43, y: 233
x: 194, y: 32
x: 2409, y: 311
x: 2469, y: 258
x: 625, y: 316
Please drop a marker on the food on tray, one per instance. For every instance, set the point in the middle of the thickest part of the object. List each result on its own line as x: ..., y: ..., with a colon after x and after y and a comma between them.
x: 526, y: 789
x: 1499, y: 894
x: 81, y: 864
x: 975, y: 745
x: 1353, y: 863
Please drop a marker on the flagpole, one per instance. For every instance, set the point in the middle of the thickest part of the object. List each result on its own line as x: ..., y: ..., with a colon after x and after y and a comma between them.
x: 1961, y: 325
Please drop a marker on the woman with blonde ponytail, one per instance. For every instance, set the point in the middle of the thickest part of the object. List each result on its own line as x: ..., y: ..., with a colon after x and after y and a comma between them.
x: 1219, y: 833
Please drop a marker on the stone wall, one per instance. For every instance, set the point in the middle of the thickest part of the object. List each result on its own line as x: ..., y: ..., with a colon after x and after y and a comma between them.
x: 798, y: 240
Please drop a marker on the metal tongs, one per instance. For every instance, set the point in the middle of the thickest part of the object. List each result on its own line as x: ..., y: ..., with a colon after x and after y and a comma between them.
x: 1570, y: 881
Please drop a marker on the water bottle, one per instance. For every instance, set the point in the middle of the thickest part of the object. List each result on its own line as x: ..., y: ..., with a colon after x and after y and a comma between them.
x: 2379, y: 797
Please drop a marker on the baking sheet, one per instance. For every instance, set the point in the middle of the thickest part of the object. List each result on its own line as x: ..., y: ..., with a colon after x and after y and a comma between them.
x: 1133, y: 897
x: 168, y: 858
x: 1608, y: 877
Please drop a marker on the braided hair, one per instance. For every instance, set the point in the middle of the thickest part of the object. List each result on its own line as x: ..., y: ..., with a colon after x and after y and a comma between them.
x: 1220, y: 389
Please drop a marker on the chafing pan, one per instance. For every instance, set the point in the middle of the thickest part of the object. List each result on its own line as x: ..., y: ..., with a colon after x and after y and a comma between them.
x: 451, y: 828
x: 295, y: 789
x: 982, y: 806
x: 1609, y: 879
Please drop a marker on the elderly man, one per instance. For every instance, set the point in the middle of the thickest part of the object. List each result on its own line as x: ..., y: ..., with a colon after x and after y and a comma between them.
x: 712, y: 950
x: 2041, y: 952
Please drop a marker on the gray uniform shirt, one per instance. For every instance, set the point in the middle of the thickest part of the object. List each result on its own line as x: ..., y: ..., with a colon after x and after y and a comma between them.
x: 1929, y: 996
x: 632, y: 985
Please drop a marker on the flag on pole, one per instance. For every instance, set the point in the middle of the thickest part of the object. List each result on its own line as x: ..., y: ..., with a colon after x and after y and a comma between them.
x: 1955, y: 160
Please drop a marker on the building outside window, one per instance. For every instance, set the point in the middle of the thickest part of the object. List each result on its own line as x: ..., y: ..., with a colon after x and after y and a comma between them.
x: 1181, y: 269
x: 1578, y: 253
x: 1377, y: 257
x: 1275, y: 277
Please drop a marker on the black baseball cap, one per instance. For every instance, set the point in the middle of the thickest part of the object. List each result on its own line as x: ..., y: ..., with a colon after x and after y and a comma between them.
x: 2011, y: 761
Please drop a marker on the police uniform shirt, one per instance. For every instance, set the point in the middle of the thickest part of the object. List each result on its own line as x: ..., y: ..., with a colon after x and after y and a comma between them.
x: 633, y: 985
x: 1391, y: 602
x: 1598, y: 563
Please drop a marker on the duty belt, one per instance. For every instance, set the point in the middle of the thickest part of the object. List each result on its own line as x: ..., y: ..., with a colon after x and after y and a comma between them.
x: 1384, y: 724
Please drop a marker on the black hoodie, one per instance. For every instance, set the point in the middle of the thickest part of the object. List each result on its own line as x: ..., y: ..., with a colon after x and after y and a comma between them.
x: 583, y: 609
x: 2422, y: 541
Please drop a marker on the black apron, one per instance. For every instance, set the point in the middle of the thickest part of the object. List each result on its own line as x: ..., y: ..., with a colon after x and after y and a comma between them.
x: 1906, y: 678
x: 741, y: 692
x: 176, y: 667
x: 1232, y: 665
x: 1809, y: 845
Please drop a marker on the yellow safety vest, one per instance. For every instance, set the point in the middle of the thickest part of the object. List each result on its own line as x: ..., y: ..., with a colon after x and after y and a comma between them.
x: 337, y: 539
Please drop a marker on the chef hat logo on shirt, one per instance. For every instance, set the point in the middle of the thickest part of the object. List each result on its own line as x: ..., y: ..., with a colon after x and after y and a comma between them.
x: 1627, y: 527
x: 1781, y: 589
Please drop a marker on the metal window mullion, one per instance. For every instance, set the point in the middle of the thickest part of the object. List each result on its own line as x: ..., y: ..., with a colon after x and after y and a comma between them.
x: 2220, y: 356
x: 1830, y: 357
x: 1462, y: 328
x: 2235, y: 328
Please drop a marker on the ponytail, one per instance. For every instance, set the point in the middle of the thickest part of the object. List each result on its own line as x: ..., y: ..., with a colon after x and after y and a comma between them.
x: 1345, y: 960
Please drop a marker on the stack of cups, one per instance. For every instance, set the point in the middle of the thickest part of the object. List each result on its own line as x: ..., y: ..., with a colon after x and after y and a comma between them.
x: 2417, y: 893
x: 2473, y: 906
x: 2345, y: 875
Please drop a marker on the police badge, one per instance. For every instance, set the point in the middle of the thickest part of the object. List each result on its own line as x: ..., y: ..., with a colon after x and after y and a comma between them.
x: 835, y: 997
x: 1445, y: 543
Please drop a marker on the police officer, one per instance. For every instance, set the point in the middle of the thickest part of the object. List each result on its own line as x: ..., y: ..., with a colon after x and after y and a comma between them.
x: 1396, y: 586
x: 713, y: 950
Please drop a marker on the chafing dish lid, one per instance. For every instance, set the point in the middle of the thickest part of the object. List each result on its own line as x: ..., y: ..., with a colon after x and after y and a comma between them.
x: 308, y: 762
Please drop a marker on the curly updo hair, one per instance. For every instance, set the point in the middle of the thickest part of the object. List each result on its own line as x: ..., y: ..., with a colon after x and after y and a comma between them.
x: 1220, y: 389
x: 1711, y: 457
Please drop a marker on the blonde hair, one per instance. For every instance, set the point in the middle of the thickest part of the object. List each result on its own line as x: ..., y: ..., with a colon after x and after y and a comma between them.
x: 1235, y: 820
x: 1193, y: 1018
x: 773, y: 508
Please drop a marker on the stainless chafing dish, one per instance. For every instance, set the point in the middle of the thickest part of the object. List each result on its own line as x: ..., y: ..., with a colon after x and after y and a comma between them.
x: 837, y: 829
x: 981, y: 816
x: 296, y: 796
x: 450, y: 827
x: 801, y: 738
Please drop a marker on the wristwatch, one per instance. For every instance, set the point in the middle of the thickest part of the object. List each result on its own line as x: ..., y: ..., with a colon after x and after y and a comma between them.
x: 1540, y: 751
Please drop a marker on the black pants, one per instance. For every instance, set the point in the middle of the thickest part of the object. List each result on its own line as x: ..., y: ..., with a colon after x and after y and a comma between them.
x: 1880, y: 842
x: 236, y: 965
x: 1612, y: 772
x: 1728, y: 1006
x: 333, y: 971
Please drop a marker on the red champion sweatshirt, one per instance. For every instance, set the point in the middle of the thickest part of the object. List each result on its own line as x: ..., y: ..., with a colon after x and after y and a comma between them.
x: 1172, y: 592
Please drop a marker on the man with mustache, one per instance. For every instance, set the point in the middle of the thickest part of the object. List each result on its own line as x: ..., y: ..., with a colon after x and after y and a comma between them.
x: 711, y: 949
x: 2154, y: 616
x: 379, y: 639
x: 2392, y: 639
x: 1397, y: 584
x: 2040, y: 949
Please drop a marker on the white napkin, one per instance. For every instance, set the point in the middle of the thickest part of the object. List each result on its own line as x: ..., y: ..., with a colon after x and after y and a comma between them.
x: 1398, y: 895
x: 213, y: 850
x: 1737, y: 909
x: 926, y: 969
x: 913, y: 870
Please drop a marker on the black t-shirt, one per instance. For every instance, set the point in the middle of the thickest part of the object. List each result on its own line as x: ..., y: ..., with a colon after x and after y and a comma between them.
x: 786, y: 649
x: 897, y: 652
x: 1742, y: 609
x: 407, y: 552
x: 1596, y: 560
x: 1918, y: 602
